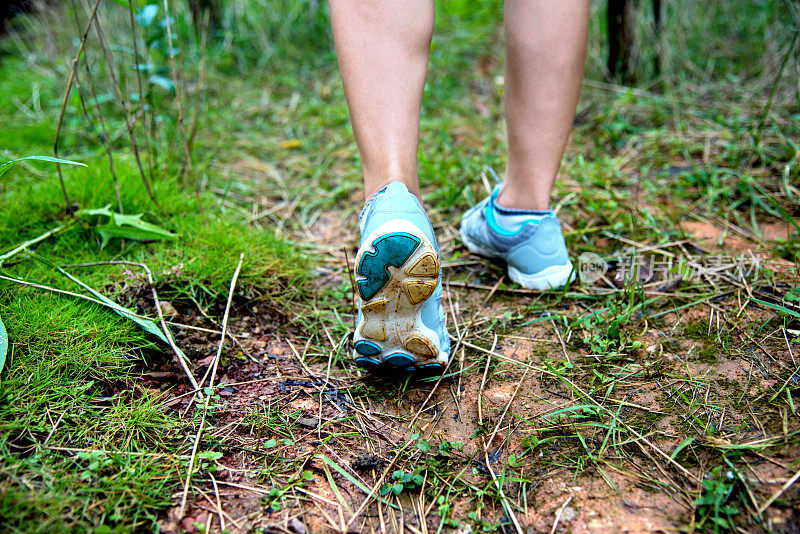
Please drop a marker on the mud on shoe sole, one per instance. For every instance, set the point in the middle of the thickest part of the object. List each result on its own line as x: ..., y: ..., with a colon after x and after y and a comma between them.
x: 397, y: 270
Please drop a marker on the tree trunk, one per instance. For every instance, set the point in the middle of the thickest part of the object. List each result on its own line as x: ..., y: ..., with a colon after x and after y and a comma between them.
x: 621, y: 18
x: 205, y: 12
x: 657, y: 37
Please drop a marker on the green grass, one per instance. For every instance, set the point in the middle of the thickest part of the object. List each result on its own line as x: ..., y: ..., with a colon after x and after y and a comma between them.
x: 70, y: 380
x: 72, y: 374
x: 690, y: 145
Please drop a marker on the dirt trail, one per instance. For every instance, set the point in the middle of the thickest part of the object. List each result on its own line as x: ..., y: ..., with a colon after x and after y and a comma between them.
x: 587, y: 452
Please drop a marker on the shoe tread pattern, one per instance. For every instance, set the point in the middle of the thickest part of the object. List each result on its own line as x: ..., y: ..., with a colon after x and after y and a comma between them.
x: 395, y: 277
x: 390, y: 250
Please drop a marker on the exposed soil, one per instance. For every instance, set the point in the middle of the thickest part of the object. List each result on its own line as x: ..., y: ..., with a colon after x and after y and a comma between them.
x: 282, y: 409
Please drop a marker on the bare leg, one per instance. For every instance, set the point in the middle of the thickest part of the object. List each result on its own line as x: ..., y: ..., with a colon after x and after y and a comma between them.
x: 383, y: 47
x: 545, y: 56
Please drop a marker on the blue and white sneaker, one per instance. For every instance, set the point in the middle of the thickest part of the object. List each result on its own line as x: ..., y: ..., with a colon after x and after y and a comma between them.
x: 530, y: 242
x: 401, y: 322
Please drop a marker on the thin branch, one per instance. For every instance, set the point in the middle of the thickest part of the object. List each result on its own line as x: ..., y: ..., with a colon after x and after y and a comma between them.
x: 501, y: 493
x: 218, y: 504
x: 178, y: 353
x: 63, y: 111
x: 123, y: 99
x: 106, y: 140
x: 137, y: 61
x: 777, y: 82
x: 558, y: 514
x: 186, y: 150
x: 778, y: 493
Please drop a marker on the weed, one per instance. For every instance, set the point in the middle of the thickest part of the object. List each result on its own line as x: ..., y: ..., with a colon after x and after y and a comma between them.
x: 402, y: 481
x: 714, y: 508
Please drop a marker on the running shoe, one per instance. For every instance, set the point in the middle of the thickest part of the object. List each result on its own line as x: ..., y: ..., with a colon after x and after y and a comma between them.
x: 401, y: 322
x: 533, y: 248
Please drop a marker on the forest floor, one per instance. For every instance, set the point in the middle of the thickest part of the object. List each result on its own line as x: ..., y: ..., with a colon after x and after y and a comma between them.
x: 531, y: 425
x: 655, y: 396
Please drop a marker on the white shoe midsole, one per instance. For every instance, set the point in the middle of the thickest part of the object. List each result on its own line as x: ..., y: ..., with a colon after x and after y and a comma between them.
x: 548, y: 278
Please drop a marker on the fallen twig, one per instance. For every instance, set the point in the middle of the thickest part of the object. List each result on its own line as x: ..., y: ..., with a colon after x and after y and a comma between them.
x: 219, y: 504
x: 778, y: 493
x: 558, y: 514
x: 210, y: 384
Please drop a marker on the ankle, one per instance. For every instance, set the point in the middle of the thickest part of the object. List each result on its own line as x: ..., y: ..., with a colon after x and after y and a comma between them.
x: 374, y: 185
x: 513, y: 198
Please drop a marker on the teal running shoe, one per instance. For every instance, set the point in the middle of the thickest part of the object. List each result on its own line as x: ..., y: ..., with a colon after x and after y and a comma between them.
x: 535, y: 252
x: 401, y: 322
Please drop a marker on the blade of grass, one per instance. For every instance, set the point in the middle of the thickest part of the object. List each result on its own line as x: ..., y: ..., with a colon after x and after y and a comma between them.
x: 5, y: 167
x: 335, y: 488
x: 351, y: 478
x: 786, y: 216
x: 597, y: 462
x: 16, y: 250
x: 774, y: 306
x: 3, y: 344
x: 685, y: 443
x: 147, y: 325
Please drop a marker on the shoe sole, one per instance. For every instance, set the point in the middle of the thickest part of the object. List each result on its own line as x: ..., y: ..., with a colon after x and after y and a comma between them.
x: 549, y: 278
x: 552, y: 277
x: 397, y: 270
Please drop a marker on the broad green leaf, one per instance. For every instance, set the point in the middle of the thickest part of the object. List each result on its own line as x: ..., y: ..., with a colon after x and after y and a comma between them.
x: 97, y: 211
x: 109, y: 231
x: 126, y: 226
x: 150, y: 230
x: 3, y: 344
x: 8, y: 164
